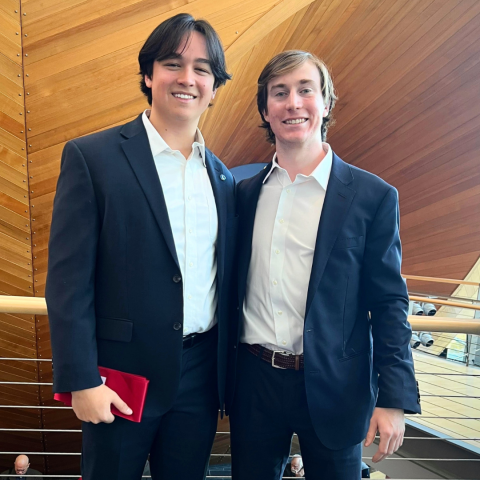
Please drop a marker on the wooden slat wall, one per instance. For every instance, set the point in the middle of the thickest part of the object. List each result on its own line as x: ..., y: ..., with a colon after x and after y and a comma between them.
x: 17, y: 332
x: 406, y: 72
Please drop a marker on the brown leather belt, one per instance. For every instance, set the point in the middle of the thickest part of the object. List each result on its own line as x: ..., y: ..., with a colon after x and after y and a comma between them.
x: 278, y: 359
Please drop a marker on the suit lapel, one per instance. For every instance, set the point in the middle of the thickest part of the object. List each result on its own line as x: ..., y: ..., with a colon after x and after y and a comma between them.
x: 337, y: 203
x: 249, y: 201
x: 219, y: 186
x: 138, y: 152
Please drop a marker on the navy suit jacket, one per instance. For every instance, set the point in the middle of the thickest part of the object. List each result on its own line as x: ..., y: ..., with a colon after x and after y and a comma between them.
x: 356, y: 334
x: 114, y: 288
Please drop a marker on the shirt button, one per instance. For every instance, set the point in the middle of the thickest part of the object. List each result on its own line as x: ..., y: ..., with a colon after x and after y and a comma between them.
x: 284, y: 342
x: 177, y: 326
x: 279, y: 312
x: 277, y: 251
x: 288, y: 190
x: 177, y: 278
x: 191, y: 264
x: 190, y: 230
x: 189, y: 297
x: 282, y: 220
x: 189, y: 197
x: 274, y: 282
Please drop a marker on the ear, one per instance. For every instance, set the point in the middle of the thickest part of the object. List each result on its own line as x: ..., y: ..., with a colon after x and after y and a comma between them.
x: 148, y: 81
x: 214, y: 93
x: 265, y: 116
x: 326, y: 110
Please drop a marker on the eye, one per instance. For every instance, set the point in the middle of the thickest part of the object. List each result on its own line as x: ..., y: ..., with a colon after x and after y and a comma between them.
x: 172, y: 65
x: 202, y: 70
x: 280, y: 94
x: 306, y: 90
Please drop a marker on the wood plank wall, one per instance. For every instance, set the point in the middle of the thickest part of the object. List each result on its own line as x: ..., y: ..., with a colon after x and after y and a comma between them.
x: 407, y: 73
x: 17, y: 332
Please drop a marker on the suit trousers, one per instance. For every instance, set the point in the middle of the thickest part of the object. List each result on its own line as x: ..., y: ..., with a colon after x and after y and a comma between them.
x: 269, y: 406
x: 179, y: 441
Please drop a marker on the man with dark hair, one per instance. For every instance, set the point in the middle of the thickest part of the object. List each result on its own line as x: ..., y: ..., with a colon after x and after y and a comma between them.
x: 321, y: 343
x: 140, y: 259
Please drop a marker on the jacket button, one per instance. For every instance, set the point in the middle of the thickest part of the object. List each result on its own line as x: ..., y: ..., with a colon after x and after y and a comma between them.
x: 177, y: 326
x: 177, y: 278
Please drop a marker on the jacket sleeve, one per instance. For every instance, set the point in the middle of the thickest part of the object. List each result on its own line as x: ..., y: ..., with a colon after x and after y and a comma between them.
x: 70, y: 288
x: 387, y: 300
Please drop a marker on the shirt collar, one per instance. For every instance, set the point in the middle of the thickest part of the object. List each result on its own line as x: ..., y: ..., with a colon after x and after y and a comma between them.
x: 159, y: 145
x: 321, y: 173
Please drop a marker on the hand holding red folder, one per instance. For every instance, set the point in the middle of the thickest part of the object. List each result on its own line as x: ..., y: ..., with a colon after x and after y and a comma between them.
x: 132, y: 389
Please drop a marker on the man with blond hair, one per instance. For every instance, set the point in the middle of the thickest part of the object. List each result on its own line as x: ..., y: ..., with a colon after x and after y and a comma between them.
x: 321, y: 343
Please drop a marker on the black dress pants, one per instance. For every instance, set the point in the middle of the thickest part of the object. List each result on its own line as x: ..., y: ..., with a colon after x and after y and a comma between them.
x: 179, y: 441
x: 270, y: 405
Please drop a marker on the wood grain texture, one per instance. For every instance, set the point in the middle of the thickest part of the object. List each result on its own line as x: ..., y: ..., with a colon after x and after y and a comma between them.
x: 18, y: 336
x: 407, y: 74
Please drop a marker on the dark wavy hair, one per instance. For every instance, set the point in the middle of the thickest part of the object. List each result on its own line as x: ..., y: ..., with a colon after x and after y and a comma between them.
x: 286, y: 62
x: 164, y: 41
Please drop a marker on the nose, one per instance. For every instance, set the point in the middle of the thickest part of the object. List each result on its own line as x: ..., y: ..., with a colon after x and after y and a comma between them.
x: 186, y: 77
x: 294, y: 101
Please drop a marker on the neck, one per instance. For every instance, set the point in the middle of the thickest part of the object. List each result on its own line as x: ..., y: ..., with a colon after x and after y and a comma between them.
x: 178, y: 135
x: 299, y: 159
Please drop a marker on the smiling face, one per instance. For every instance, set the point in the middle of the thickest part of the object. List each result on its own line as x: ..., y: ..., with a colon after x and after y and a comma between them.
x: 295, y: 106
x: 182, y: 85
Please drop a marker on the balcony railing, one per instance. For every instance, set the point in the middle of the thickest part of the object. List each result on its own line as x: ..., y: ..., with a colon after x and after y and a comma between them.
x: 450, y: 320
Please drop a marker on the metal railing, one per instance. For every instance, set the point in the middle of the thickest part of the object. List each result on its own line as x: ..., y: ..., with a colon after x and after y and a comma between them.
x: 470, y: 327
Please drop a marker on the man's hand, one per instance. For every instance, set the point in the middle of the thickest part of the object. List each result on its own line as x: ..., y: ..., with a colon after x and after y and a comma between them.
x: 93, y: 404
x: 390, y: 423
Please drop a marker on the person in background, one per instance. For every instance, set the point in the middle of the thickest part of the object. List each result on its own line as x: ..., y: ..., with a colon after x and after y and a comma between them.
x: 21, y: 467
x: 295, y: 467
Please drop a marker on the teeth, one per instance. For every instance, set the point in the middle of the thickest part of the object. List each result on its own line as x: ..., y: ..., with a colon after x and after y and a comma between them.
x: 298, y: 120
x: 181, y: 95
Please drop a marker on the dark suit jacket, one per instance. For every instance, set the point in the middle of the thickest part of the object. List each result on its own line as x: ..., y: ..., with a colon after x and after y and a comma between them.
x: 356, y: 270
x: 30, y: 471
x: 114, y: 288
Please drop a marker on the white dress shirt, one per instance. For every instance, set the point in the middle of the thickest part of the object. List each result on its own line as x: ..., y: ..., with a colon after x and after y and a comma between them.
x: 193, y: 219
x: 283, y: 245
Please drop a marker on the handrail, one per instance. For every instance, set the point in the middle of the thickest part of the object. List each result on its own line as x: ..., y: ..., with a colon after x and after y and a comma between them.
x: 28, y: 305
x: 37, y: 306
x: 440, y: 280
x: 444, y: 324
x: 438, y: 301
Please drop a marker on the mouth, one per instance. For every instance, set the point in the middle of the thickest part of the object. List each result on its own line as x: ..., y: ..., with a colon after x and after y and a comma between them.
x: 295, y: 121
x: 184, y: 96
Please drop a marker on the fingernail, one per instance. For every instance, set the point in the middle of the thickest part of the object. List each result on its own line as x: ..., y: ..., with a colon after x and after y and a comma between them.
x: 129, y: 411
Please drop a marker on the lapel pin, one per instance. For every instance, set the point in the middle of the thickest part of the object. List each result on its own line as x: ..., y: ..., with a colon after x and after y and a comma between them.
x: 223, y: 177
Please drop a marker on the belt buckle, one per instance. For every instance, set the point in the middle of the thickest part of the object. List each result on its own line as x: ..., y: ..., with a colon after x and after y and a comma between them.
x: 273, y: 359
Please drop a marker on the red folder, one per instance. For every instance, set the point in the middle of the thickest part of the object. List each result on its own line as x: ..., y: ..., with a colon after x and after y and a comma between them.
x: 132, y: 389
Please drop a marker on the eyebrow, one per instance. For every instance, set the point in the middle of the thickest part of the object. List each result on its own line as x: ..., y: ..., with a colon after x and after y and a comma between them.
x: 178, y: 56
x: 282, y: 85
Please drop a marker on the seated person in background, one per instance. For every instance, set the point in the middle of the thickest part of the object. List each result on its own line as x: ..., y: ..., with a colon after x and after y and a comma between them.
x: 21, y: 466
x: 295, y: 467
x: 365, y: 470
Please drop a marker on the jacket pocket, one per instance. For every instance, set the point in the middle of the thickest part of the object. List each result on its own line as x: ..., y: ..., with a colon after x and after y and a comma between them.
x: 364, y: 351
x: 348, y: 242
x: 116, y: 329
